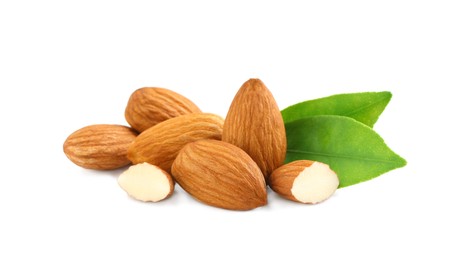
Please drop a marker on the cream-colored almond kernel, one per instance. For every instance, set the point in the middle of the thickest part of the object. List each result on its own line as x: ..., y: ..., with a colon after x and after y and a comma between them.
x: 304, y: 181
x: 146, y: 182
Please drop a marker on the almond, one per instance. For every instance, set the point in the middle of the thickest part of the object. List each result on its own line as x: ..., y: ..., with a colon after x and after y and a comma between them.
x: 221, y: 175
x: 304, y: 181
x: 146, y: 182
x: 149, y: 106
x: 160, y: 144
x: 100, y: 147
x: 254, y: 123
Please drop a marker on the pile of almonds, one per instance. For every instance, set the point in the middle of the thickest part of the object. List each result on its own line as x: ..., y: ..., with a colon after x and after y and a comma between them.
x: 223, y: 163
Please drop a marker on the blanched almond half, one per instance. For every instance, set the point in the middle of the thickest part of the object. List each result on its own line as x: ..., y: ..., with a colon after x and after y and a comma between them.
x: 146, y: 182
x: 304, y: 181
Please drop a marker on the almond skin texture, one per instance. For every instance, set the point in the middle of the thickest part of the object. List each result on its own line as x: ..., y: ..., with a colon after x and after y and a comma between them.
x: 221, y: 175
x: 149, y: 106
x: 100, y: 147
x: 254, y: 123
x: 304, y: 181
x: 160, y: 144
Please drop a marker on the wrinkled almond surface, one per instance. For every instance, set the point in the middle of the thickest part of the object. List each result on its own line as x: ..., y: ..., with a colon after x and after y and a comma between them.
x: 149, y: 106
x: 160, y: 144
x: 254, y: 123
x: 100, y: 147
x: 221, y: 175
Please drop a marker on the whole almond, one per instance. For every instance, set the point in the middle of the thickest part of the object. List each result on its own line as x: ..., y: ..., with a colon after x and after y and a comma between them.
x: 221, y: 175
x: 100, y: 147
x: 254, y: 123
x: 149, y: 106
x: 304, y: 181
x: 160, y: 144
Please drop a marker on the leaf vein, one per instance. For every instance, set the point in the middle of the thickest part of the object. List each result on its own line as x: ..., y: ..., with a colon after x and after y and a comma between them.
x: 364, y: 107
x: 344, y: 156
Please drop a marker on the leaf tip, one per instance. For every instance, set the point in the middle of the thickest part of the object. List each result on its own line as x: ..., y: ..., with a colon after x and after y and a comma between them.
x: 403, y: 162
x: 388, y: 95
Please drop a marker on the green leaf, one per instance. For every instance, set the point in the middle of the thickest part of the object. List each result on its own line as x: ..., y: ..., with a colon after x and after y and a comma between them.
x: 365, y: 107
x: 352, y: 149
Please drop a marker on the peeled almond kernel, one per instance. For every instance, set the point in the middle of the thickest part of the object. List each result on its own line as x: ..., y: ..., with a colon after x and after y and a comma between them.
x: 146, y: 182
x: 305, y: 181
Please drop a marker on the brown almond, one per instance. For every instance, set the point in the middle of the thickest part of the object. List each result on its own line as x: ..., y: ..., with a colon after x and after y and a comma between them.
x: 254, y: 123
x: 160, y: 144
x: 304, y: 181
x: 221, y: 175
x: 100, y: 147
x: 149, y: 106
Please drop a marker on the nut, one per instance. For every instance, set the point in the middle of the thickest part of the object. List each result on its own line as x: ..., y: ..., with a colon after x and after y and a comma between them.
x: 146, y: 182
x: 304, y: 181
x: 100, y: 147
x: 254, y: 123
x: 149, y: 106
x: 160, y: 144
x: 221, y: 175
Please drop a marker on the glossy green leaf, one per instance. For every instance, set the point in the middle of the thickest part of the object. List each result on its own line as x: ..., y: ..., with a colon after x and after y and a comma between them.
x: 352, y: 149
x: 365, y: 107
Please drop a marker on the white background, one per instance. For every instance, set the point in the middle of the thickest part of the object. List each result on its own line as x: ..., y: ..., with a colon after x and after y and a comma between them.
x: 67, y: 65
